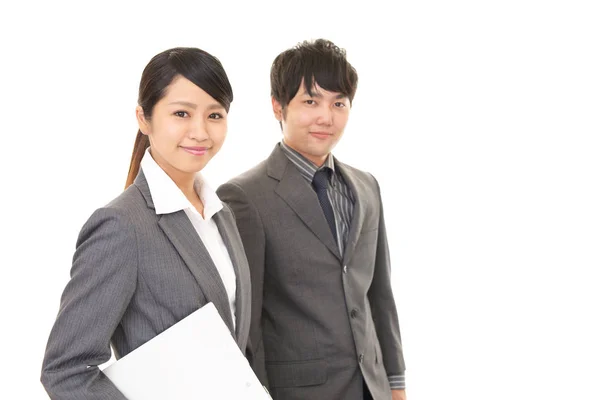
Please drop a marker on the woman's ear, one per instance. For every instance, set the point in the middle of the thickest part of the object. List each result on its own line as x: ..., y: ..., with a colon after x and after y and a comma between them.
x: 143, y: 123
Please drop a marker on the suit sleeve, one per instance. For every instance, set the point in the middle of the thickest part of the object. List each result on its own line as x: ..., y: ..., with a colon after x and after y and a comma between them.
x: 103, y: 280
x: 383, y: 308
x: 251, y: 231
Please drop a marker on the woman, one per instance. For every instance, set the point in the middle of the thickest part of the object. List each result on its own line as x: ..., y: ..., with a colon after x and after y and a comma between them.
x: 163, y: 248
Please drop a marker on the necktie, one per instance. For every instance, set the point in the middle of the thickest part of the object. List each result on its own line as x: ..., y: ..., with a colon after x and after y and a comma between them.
x: 320, y: 183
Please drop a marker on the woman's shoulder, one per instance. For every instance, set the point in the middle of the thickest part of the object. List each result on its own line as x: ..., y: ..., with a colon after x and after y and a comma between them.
x: 129, y: 206
x: 130, y: 199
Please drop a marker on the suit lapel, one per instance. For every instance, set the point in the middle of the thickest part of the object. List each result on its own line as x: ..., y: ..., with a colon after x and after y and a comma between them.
x: 225, y: 222
x: 180, y: 231
x: 301, y: 198
x: 358, y: 189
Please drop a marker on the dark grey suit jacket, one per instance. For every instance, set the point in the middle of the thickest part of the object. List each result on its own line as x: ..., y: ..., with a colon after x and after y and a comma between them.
x: 321, y: 321
x: 134, y: 275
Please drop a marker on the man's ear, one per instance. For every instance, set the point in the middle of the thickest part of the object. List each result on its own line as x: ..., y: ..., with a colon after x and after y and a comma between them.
x: 143, y: 123
x: 277, y: 109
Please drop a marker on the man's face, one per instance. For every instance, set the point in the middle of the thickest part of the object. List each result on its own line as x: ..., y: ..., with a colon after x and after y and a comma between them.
x: 312, y: 125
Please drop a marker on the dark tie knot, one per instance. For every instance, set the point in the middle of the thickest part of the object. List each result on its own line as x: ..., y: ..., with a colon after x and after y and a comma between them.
x: 321, y: 179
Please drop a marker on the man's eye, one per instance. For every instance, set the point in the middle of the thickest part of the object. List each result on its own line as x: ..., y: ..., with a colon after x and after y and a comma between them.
x: 310, y: 102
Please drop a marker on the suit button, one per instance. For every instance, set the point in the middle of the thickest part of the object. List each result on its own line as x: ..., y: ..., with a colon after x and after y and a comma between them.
x: 361, y: 358
x: 345, y: 269
x: 354, y: 313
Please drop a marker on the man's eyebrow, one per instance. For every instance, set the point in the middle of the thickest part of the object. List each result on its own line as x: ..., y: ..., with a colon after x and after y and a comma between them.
x: 320, y: 95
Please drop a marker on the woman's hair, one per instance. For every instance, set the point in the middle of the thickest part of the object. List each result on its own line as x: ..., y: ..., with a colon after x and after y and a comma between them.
x: 197, y: 66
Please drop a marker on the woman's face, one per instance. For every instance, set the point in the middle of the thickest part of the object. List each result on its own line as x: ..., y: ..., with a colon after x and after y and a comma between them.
x: 187, y: 128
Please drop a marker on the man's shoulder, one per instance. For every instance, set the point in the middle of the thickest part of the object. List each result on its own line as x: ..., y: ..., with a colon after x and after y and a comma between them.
x: 250, y: 183
x: 251, y: 176
x: 359, y: 174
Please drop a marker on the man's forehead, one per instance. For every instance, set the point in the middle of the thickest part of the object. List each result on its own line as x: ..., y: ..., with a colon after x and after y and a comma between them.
x: 318, y: 91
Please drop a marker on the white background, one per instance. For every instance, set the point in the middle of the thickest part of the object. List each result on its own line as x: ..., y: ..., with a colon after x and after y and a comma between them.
x: 480, y: 120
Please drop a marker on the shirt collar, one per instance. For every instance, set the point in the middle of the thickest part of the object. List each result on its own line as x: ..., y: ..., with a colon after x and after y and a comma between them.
x: 304, y: 165
x: 168, y: 198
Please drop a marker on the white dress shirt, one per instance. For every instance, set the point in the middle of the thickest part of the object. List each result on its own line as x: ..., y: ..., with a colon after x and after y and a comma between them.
x: 168, y: 198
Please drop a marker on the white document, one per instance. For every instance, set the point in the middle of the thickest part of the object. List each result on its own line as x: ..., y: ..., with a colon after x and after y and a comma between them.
x: 197, y: 358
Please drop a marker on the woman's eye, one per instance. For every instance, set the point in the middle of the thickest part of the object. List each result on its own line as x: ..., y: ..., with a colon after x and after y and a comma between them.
x: 181, y: 114
x: 310, y: 102
x: 215, y: 116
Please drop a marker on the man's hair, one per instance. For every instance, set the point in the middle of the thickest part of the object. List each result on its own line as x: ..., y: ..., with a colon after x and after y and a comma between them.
x: 319, y: 61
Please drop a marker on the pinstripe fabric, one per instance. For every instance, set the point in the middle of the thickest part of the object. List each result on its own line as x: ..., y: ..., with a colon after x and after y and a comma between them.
x: 134, y: 275
x: 340, y: 196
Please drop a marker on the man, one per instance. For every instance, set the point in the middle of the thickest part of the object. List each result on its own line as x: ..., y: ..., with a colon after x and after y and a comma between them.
x: 324, y: 322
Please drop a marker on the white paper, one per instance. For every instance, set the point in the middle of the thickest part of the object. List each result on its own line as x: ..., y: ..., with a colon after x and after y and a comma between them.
x: 197, y: 358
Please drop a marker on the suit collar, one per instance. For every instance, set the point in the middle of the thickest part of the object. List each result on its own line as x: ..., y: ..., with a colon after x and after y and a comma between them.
x: 359, y: 189
x: 142, y: 184
x: 296, y: 191
x: 277, y: 163
x: 305, y: 166
x: 298, y: 194
x: 181, y: 233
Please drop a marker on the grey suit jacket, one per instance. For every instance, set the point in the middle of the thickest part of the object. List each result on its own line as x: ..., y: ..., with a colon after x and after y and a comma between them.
x: 321, y: 321
x: 134, y: 275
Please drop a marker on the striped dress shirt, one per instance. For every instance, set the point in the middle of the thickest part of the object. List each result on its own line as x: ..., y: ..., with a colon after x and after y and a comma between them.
x: 340, y: 196
x: 342, y: 201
